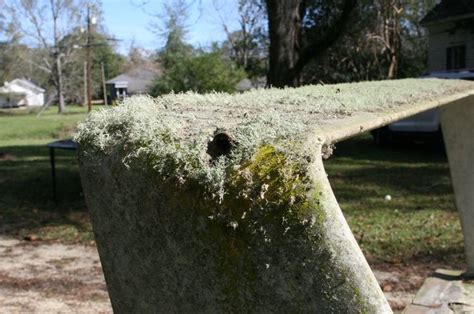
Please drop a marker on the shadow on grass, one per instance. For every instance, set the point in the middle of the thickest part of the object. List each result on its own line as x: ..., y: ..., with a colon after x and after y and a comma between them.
x: 411, y: 182
x: 419, y: 220
x: 26, y: 196
x: 360, y: 170
x: 363, y: 148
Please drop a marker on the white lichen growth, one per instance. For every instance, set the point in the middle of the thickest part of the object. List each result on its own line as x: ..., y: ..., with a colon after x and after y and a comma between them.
x: 170, y: 134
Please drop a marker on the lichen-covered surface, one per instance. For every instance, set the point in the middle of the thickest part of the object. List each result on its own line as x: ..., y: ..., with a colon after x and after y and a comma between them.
x: 182, y: 228
x: 172, y: 132
x: 189, y: 115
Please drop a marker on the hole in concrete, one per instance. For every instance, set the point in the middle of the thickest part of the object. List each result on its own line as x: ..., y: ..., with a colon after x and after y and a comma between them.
x: 220, y: 145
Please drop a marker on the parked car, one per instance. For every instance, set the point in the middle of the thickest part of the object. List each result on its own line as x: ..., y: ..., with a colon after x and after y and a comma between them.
x: 425, y: 126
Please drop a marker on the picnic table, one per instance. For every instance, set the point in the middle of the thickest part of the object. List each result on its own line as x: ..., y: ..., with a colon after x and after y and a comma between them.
x: 219, y: 203
x: 68, y: 144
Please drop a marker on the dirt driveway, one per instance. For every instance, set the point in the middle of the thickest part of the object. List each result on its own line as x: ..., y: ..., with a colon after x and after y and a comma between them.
x: 50, y: 277
x: 38, y: 276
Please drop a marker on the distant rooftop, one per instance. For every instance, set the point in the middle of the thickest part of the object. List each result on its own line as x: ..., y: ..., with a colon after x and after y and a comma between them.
x: 9, y: 87
x: 138, y: 80
x: 449, y: 10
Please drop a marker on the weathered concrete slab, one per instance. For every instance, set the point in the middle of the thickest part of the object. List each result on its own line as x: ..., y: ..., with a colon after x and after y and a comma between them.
x: 444, y: 292
x: 220, y: 203
x: 457, y: 123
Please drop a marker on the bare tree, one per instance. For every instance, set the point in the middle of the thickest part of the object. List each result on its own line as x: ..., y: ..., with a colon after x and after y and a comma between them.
x: 43, y: 24
x: 2, y: 18
x: 247, y: 43
x: 397, y: 24
x: 389, y: 32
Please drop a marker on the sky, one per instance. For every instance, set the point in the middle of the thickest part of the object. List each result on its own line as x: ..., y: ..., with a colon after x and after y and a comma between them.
x: 129, y: 21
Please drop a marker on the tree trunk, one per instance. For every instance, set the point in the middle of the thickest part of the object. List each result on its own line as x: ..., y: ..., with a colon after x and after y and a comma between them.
x: 392, y: 33
x: 392, y: 69
x: 288, y: 56
x: 60, y: 87
x: 284, y: 25
x: 55, y: 11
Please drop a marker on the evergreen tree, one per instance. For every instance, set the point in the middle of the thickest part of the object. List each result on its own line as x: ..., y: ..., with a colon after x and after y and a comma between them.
x: 188, y: 69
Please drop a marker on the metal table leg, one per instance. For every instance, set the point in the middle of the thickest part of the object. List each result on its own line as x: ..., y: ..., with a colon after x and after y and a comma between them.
x: 53, y: 171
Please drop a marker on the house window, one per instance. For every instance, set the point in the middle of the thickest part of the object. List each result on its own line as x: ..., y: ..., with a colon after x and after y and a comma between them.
x: 456, y: 57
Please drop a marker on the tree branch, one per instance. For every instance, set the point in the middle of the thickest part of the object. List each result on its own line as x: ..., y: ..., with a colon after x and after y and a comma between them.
x: 316, y: 48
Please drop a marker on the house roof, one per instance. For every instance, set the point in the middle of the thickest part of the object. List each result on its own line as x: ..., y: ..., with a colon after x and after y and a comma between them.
x: 449, y: 10
x: 28, y: 84
x: 138, y: 80
x: 19, y: 87
x: 247, y: 84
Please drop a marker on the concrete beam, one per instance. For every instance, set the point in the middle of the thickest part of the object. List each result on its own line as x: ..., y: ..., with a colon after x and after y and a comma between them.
x: 457, y: 120
x: 165, y: 248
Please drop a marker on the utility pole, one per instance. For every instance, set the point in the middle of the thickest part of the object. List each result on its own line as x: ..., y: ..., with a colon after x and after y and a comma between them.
x: 103, y: 83
x: 89, y: 61
x: 84, y: 103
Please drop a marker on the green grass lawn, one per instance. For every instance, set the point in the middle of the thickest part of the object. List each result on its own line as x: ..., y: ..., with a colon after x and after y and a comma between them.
x: 26, y: 201
x: 420, y: 221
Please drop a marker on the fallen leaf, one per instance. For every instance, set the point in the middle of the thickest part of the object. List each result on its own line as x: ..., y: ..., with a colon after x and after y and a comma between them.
x: 31, y: 237
x: 387, y: 288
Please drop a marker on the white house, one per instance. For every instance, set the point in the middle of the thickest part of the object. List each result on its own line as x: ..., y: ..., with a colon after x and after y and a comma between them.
x: 20, y: 92
x: 451, y: 34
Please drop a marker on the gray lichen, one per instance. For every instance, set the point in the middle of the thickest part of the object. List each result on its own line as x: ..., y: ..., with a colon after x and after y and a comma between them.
x: 170, y: 134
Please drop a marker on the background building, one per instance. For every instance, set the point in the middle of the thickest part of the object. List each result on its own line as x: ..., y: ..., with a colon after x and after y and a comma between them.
x: 20, y: 92
x: 451, y: 36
